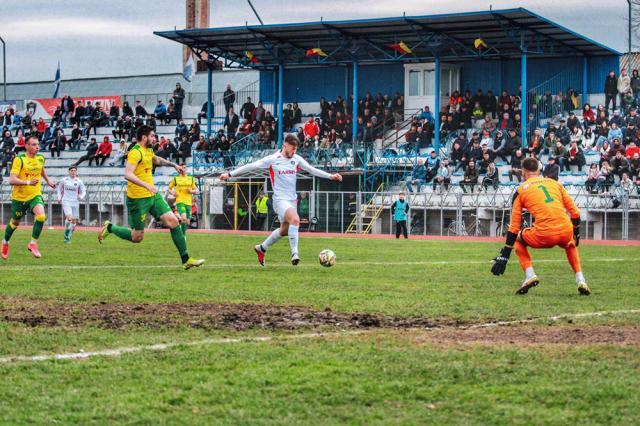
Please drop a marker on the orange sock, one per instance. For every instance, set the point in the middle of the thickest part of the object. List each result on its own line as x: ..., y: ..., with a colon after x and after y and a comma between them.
x: 523, y: 255
x: 573, y: 257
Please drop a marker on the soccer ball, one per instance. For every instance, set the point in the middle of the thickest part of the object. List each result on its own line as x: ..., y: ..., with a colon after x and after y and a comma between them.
x: 327, y: 258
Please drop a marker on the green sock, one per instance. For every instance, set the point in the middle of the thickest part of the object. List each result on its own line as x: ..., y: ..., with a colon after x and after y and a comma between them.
x: 9, y: 231
x: 181, y: 244
x: 121, y: 232
x: 184, y: 228
x: 37, y: 229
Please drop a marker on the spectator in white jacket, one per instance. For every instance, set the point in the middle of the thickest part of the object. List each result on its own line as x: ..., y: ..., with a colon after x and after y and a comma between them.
x: 624, y: 85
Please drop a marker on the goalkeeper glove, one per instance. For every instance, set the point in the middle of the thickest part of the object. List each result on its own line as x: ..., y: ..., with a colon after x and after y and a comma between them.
x: 500, y: 262
x: 576, y: 231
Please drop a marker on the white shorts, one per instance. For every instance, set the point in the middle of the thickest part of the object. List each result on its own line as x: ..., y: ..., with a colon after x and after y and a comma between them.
x: 71, y: 209
x: 281, y: 207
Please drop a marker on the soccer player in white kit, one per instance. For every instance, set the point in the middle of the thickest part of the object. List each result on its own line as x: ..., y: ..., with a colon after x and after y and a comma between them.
x: 71, y: 191
x: 283, y: 170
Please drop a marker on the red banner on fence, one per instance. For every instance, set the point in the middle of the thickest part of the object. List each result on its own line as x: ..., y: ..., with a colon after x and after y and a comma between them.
x: 46, y: 107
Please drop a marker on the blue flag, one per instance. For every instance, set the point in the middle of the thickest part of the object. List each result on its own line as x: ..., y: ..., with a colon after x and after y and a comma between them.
x: 56, y: 82
x: 188, y: 71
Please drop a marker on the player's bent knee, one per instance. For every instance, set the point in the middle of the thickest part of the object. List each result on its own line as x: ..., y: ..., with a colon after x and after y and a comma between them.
x: 41, y: 217
x: 137, y: 236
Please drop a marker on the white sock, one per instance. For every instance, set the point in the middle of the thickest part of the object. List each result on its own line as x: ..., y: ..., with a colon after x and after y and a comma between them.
x: 579, y: 277
x: 293, y: 238
x: 529, y: 273
x: 72, y: 226
x: 271, y: 239
x: 67, y: 224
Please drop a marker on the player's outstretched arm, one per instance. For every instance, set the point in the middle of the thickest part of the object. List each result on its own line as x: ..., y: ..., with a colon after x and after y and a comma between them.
x: 83, y: 190
x: 574, y: 213
x: 304, y: 165
x: 51, y: 183
x: 263, y: 163
x: 500, y: 261
x: 159, y: 161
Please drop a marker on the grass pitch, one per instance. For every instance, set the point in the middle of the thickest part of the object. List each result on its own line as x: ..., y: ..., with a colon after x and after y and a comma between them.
x: 91, y: 297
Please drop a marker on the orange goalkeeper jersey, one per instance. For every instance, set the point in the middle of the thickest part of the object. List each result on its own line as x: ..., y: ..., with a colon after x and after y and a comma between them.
x: 547, y: 201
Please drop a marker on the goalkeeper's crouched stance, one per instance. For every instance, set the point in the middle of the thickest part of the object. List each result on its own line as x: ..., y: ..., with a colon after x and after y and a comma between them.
x: 548, y: 202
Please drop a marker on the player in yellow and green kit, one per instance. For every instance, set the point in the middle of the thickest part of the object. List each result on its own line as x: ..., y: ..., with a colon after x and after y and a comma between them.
x: 183, y: 187
x: 143, y: 198
x: 26, y: 172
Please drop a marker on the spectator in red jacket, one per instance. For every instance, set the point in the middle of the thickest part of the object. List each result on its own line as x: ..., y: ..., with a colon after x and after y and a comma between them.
x: 311, y: 128
x: 104, y: 151
x: 588, y: 115
x: 631, y: 150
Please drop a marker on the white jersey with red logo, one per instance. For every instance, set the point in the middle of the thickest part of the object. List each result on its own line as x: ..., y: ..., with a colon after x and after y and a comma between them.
x: 283, y: 172
x: 71, y: 190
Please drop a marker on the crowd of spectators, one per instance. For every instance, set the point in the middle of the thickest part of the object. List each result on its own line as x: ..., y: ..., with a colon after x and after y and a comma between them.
x: 571, y: 132
x: 482, y: 132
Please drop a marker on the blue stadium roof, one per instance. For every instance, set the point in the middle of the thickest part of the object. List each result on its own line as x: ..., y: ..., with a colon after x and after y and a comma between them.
x: 507, y: 33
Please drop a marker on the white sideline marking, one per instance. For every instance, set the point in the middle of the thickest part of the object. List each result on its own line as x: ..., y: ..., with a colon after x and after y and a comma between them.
x: 552, y: 318
x: 306, y: 265
x: 221, y: 341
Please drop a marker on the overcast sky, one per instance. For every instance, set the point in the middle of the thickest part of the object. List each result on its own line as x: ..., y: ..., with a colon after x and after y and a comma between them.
x: 94, y: 38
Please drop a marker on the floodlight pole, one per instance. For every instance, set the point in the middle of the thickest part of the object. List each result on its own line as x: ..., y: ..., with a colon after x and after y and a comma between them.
x: 629, y: 35
x: 4, y: 67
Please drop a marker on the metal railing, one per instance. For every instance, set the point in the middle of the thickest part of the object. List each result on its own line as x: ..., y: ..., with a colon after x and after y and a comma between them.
x: 197, y: 99
x: 443, y: 212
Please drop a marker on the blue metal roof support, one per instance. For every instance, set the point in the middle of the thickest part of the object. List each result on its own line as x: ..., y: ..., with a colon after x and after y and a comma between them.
x: 209, y: 96
x: 280, y: 85
x: 585, y: 79
x: 274, y: 92
x: 436, y: 115
x: 524, y: 116
x: 354, y: 119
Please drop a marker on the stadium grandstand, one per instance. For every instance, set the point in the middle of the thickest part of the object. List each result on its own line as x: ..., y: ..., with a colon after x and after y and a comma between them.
x: 444, y: 106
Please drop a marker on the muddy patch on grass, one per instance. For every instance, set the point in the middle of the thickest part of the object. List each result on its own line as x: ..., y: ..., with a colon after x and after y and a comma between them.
x: 122, y: 316
x: 35, y: 312
x: 534, y: 334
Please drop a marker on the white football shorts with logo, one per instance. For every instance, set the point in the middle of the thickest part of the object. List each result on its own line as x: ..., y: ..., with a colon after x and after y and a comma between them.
x: 71, y: 209
x: 281, y: 207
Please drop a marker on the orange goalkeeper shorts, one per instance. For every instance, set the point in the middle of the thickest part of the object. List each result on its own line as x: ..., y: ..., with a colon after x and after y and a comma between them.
x: 536, y: 239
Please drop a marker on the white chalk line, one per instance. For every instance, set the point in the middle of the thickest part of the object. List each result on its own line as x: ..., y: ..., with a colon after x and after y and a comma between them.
x: 223, y: 341
x: 254, y: 265
x: 164, y: 346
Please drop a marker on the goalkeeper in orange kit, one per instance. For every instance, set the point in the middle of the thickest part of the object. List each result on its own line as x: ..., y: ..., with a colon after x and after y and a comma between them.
x: 548, y: 202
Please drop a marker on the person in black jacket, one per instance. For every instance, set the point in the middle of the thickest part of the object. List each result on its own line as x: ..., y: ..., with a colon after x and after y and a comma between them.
x: 610, y: 90
x: 247, y: 110
x: 92, y: 148
x: 203, y: 111
x: 140, y: 110
x: 231, y: 123
x: 114, y: 114
x: 126, y: 109
x: 551, y: 170
x: 67, y: 105
x: 229, y: 98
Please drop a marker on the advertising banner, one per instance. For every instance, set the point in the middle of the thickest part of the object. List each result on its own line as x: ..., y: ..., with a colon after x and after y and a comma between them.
x: 46, y: 107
